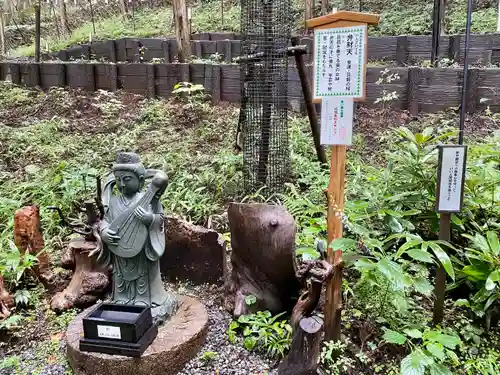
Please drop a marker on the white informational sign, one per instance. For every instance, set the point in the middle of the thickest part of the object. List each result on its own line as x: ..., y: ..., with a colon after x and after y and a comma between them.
x: 339, y: 62
x: 451, y: 175
x: 336, y: 121
x: 109, y: 332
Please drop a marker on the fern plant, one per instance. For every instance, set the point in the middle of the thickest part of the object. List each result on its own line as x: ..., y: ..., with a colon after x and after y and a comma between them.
x: 263, y: 332
x: 483, y: 272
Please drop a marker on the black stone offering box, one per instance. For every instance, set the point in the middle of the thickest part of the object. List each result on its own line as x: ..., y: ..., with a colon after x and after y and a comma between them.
x: 118, y: 329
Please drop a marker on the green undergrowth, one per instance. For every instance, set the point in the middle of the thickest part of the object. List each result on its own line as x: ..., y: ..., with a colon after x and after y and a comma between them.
x: 146, y: 23
x: 400, y: 17
x: 52, y: 144
x: 408, y: 17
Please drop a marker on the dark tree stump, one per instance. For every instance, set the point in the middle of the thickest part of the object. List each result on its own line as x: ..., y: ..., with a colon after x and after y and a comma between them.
x: 303, y: 357
x: 193, y: 253
x: 262, y: 258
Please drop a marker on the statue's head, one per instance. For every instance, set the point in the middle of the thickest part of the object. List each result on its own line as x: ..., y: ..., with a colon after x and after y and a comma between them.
x: 129, y: 173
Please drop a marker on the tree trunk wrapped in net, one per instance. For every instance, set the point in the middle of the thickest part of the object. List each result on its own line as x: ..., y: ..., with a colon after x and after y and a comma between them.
x: 266, y: 29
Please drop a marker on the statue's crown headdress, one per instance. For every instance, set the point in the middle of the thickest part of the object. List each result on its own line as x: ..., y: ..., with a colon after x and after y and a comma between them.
x: 129, y: 161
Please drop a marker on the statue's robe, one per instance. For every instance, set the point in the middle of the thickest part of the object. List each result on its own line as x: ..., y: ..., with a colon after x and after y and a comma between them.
x: 137, y: 280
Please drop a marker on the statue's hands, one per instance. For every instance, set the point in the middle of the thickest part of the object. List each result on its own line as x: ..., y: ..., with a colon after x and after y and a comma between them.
x: 145, y: 217
x: 110, y: 237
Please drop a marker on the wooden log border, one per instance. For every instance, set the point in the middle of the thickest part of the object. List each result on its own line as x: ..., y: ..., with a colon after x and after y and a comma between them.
x: 418, y: 89
x: 403, y: 49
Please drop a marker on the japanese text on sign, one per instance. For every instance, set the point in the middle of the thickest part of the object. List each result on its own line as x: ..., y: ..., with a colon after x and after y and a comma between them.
x: 451, y: 176
x: 336, y: 121
x: 109, y: 332
x: 339, y: 62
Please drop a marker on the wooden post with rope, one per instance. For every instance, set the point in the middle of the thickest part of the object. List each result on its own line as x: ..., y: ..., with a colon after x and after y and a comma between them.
x: 335, y: 191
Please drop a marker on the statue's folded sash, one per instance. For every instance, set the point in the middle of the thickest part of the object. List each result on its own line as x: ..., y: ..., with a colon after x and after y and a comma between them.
x: 132, y: 232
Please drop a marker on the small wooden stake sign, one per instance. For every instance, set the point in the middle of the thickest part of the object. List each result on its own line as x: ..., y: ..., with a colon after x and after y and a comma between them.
x: 449, y: 199
x: 340, y: 57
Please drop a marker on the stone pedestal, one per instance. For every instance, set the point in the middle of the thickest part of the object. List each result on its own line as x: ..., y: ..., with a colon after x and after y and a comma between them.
x: 178, y: 341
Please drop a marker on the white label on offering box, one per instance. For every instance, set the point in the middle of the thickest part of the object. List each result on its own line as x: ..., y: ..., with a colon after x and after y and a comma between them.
x: 109, y: 332
x: 336, y: 121
x: 451, y: 176
x: 339, y: 62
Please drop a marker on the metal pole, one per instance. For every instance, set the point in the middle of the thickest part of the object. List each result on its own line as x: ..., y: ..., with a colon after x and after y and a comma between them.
x: 463, y: 105
x: 37, y: 33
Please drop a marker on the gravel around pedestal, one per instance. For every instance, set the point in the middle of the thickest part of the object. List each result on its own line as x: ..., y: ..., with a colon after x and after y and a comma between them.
x: 30, y: 362
x: 230, y: 359
x: 49, y: 357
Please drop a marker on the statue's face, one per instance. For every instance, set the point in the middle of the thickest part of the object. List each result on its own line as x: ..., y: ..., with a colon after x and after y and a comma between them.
x: 127, y: 182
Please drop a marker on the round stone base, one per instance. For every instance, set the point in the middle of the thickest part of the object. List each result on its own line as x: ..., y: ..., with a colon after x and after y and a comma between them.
x: 177, y: 342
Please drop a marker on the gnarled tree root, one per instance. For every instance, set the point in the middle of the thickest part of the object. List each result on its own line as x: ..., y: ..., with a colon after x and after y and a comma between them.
x: 90, y: 280
x: 6, y: 301
x: 303, y: 357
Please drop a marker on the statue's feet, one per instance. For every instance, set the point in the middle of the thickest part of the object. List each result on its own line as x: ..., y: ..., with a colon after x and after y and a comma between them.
x: 162, y: 313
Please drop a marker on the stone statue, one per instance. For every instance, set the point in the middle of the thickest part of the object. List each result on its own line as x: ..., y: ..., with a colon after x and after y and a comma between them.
x: 133, y: 236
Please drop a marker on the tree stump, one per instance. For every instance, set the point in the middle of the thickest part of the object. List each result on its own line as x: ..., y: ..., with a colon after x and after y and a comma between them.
x: 90, y: 280
x: 262, y: 259
x: 303, y: 357
x: 304, y: 354
x: 28, y: 237
x: 193, y: 253
x: 6, y: 301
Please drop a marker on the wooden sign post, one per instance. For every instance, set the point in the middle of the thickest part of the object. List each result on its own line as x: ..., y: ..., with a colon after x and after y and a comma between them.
x: 340, y: 58
x: 449, y: 199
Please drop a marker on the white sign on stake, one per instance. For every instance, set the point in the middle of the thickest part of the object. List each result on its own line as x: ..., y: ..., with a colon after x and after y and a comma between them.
x: 451, y: 175
x: 339, y: 62
x: 336, y: 121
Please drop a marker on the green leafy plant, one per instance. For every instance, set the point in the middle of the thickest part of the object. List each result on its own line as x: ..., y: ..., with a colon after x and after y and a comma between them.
x: 333, y: 358
x: 208, y: 356
x: 400, y: 196
x: 13, y: 265
x: 263, y: 332
x: 386, y: 77
x: 59, y: 322
x: 483, y: 272
x: 22, y: 297
x: 432, y: 351
x: 387, y: 279
x: 418, y: 250
x: 250, y: 300
x: 485, y: 365
x: 194, y: 92
x: 13, y: 321
x: 10, y: 362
